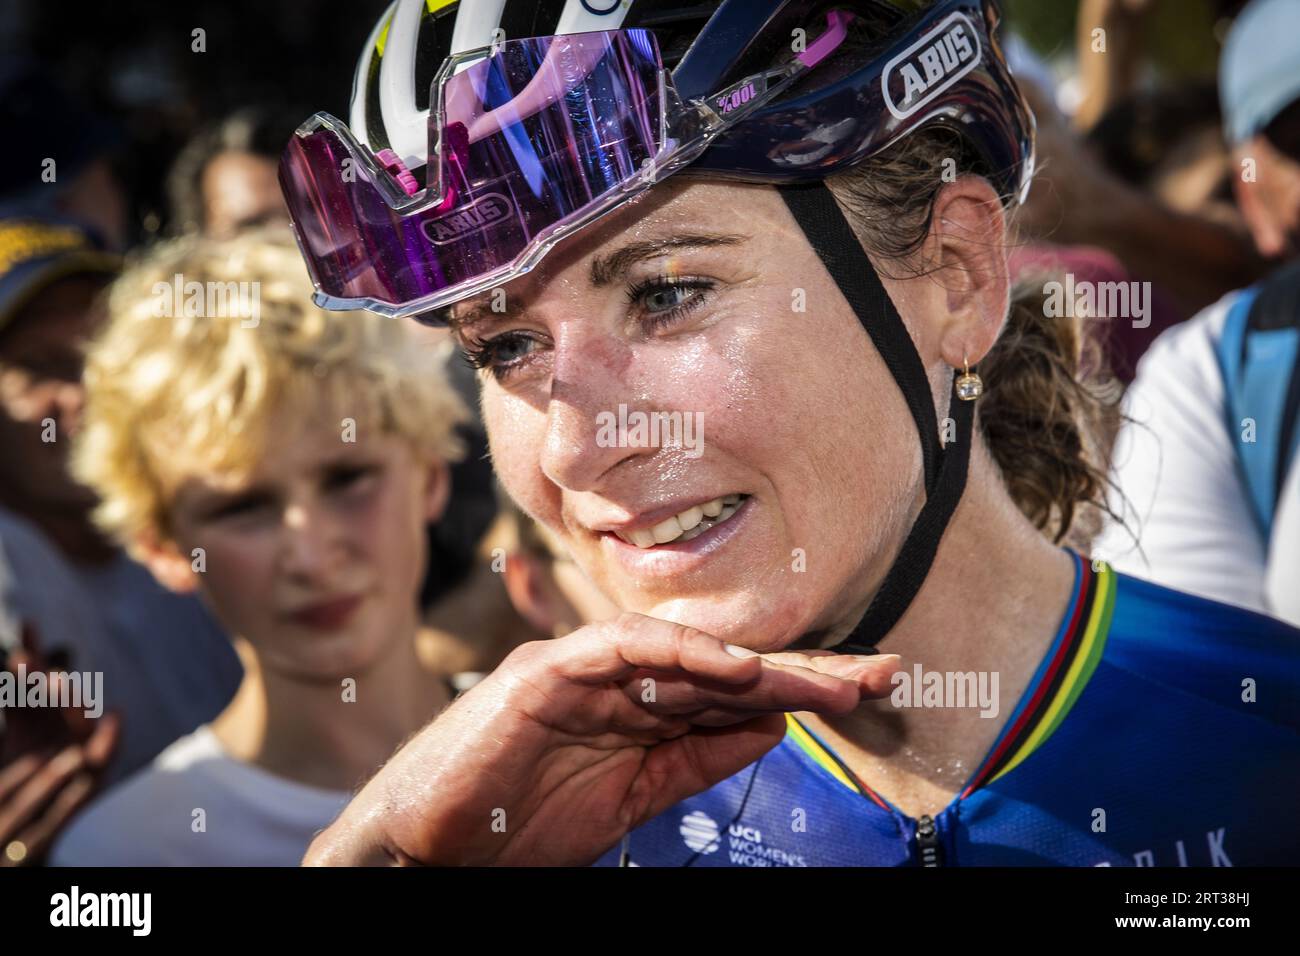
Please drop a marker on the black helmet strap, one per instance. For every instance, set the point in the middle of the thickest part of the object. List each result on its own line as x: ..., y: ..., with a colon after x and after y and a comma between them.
x: 817, y: 213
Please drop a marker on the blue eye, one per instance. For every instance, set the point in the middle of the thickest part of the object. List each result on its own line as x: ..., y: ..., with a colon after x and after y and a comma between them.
x: 665, y: 300
x: 504, y: 354
x: 666, y: 297
x: 511, y: 348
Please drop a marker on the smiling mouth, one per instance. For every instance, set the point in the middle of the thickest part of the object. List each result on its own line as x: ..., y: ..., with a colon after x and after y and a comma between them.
x: 685, y: 525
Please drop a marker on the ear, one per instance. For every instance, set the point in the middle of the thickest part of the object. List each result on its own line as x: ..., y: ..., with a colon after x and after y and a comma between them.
x: 170, y: 568
x: 525, y: 583
x: 968, y: 260
x: 437, y: 489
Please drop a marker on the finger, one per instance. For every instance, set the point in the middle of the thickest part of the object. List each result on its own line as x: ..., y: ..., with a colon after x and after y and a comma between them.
x: 873, y: 673
x: 720, y: 717
x: 20, y: 658
x: 41, y: 833
x: 613, y: 650
x: 40, y: 788
x: 75, y: 722
x: 101, y: 743
x: 19, y: 772
x: 779, y: 687
x: 74, y: 718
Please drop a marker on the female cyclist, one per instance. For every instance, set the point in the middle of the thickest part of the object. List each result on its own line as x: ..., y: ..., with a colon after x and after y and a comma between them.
x: 817, y: 290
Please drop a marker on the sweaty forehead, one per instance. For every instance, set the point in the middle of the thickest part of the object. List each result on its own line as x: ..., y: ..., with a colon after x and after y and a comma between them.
x: 679, y: 205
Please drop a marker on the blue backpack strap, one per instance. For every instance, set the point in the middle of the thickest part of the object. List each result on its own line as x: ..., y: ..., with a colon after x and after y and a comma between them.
x: 1259, y: 353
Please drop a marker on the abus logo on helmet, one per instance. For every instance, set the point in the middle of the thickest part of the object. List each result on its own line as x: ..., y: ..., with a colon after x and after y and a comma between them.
x: 483, y: 212
x: 930, y: 65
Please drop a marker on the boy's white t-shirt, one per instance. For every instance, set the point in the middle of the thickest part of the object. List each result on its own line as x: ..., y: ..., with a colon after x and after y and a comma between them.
x: 250, y: 817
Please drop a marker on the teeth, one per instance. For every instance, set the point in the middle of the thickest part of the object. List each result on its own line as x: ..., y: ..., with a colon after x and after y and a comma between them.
x: 689, y: 518
x: 666, y: 531
x: 691, y: 523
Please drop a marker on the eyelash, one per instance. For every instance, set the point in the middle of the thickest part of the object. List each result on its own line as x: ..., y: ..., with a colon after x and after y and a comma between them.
x: 345, y: 477
x: 238, y: 508
x: 483, y: 354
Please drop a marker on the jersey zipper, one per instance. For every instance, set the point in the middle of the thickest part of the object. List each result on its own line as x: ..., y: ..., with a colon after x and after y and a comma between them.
x: 929, y: 849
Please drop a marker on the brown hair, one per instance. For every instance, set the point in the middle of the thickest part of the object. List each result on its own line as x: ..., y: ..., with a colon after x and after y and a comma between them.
x: 1049, y: 408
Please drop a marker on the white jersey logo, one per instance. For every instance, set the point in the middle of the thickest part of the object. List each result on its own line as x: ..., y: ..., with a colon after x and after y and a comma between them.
x: 930, y: 65
x: 700, y: 832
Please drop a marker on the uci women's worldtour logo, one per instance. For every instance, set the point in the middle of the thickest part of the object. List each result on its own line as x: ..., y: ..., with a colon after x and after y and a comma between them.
x: 744, y: 844
x: 480, y: 214
x: 930, y: 65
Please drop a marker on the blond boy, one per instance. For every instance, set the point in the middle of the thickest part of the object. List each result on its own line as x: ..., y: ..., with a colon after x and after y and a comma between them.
x: 282, y: 462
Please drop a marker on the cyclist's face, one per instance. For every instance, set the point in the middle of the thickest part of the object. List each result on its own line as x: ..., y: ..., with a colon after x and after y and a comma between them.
x: 691, y: 358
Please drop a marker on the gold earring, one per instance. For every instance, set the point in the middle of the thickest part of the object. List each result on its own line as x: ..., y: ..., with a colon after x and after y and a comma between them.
x: 969, y: 385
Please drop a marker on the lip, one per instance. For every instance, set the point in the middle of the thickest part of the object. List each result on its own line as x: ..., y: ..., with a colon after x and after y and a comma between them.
x: 327, y: 615
x: 679, y: 557
x: 649, y: 519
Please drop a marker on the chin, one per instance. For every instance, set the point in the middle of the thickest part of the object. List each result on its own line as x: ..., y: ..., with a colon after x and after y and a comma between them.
x: 330, y: 658
x: 766, y: 623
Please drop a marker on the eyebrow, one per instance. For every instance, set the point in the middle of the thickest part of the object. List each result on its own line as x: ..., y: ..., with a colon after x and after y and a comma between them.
x: 605, y: 270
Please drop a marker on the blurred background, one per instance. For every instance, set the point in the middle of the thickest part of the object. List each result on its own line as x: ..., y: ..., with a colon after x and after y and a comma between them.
x: 132, y: 62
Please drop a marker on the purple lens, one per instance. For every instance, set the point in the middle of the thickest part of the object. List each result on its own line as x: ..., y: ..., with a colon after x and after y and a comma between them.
x: 533, y: 136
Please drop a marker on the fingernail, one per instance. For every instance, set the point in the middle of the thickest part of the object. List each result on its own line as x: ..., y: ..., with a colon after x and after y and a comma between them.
x: 735, y: 650
x: 877, y: 658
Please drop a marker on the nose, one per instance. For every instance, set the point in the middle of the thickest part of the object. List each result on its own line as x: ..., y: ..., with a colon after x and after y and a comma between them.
x: 591, y: 378
x: 311, y: 542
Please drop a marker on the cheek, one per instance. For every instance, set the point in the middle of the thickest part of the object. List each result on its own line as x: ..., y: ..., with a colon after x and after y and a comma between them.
x: 238, y: 573
x: 825, y: 427
x: 516, y: 438
x: 388, y: 527
x: 812, y: 383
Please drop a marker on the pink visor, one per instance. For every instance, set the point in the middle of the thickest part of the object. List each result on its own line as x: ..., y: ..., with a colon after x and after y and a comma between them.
x: 530, y: 141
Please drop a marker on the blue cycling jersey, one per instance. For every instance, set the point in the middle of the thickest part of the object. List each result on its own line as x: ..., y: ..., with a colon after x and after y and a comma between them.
x: 1160, y: 729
